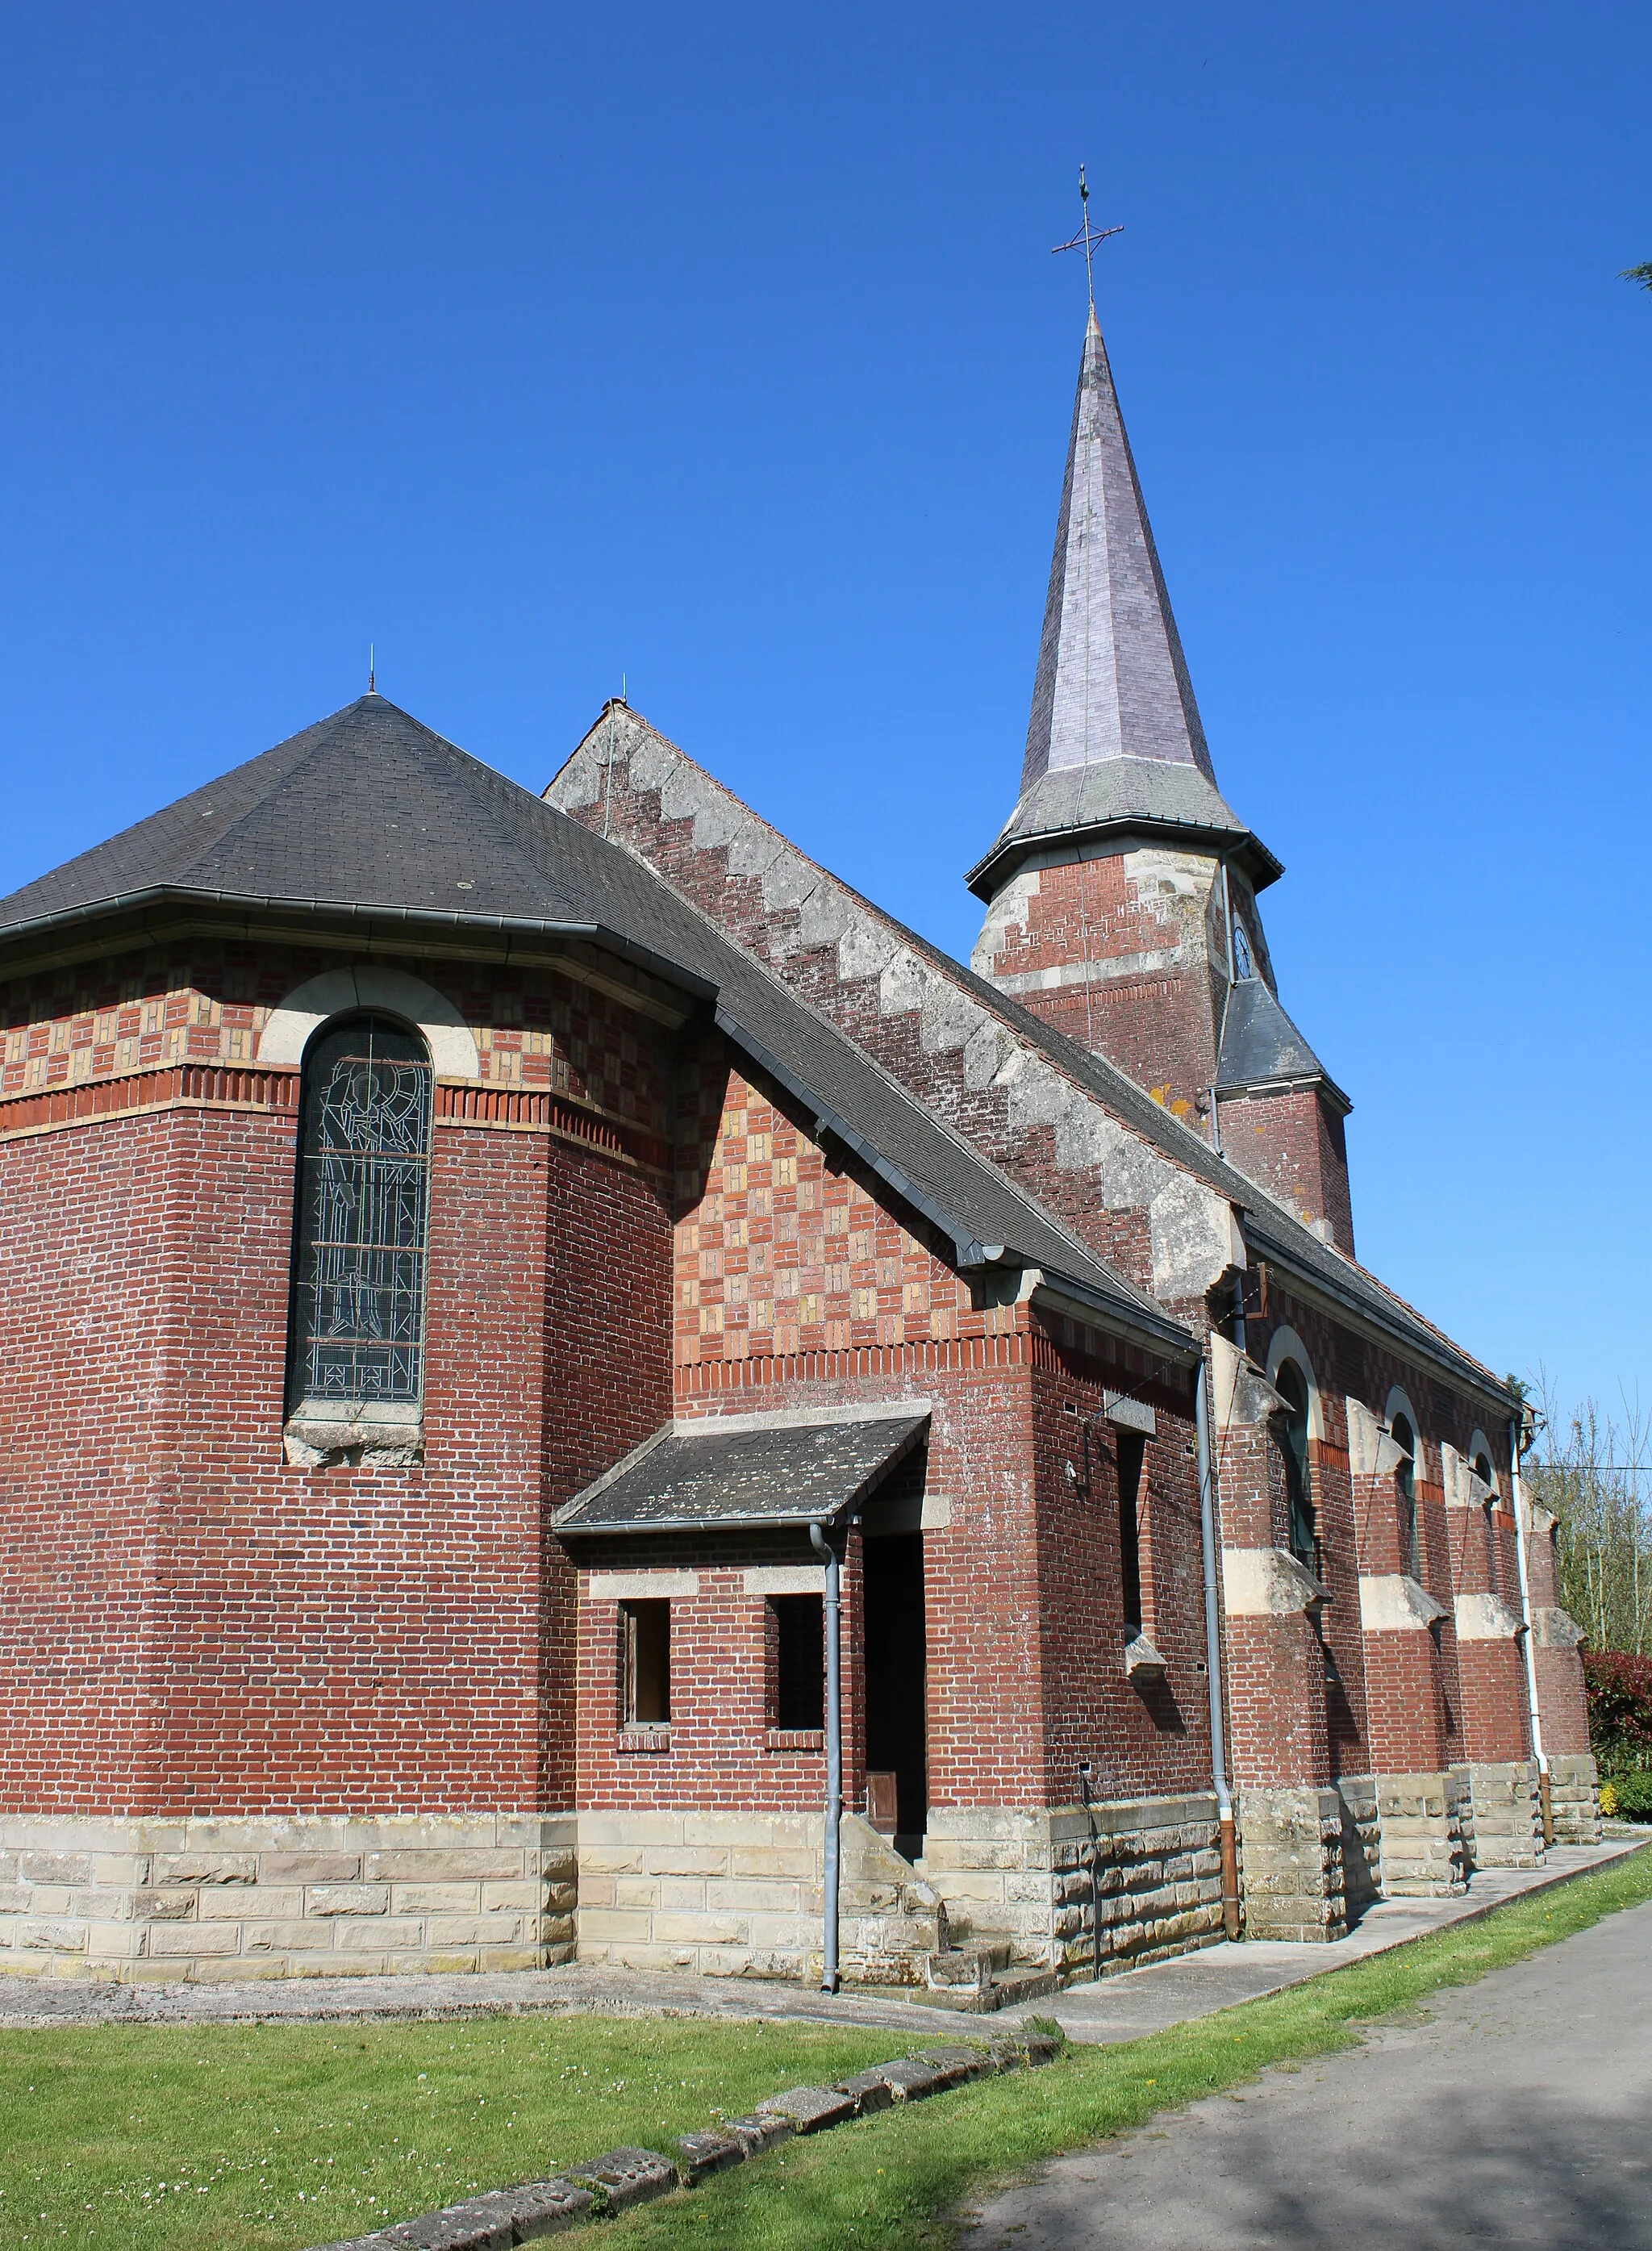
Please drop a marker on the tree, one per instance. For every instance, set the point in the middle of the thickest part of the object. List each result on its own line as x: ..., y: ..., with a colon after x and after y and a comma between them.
x: 1639, y: 273
x: 1595, y: 1473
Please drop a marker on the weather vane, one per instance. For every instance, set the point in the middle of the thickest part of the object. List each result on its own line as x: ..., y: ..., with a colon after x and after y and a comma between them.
x: 1087, y: 237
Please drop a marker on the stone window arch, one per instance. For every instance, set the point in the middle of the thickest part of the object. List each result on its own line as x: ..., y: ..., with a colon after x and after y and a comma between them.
x: 376, y: 987
x: 1406, y: 1430
x: 356, y: 1328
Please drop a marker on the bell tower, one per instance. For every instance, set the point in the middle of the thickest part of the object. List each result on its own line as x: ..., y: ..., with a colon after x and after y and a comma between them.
x: 1122, y: 892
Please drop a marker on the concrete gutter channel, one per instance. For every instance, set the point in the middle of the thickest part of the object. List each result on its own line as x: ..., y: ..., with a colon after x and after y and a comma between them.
x: 613, y: 2183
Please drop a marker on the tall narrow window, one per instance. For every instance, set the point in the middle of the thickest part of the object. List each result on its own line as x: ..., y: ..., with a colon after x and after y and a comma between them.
x: 358, y: 1279
x: 799, y: 1660
x: 1482, y: 1469
x: 1406, y: 1498
x: 1293, y: 1435
x: 1132, y: 1448
x: 645, y: 1651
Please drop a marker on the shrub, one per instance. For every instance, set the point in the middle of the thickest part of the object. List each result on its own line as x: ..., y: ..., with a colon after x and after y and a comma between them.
x: 1631, y: 1793
x: 1620, y: 1693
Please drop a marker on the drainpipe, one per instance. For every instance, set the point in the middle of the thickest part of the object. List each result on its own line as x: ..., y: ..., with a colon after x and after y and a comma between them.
x: 823, y: 1548
x: 1213, y: 1651
x: 1532, y: 1654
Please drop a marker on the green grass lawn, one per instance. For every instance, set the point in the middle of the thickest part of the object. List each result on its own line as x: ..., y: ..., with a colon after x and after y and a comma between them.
x: 271, y: 2137
x: 263, y: 2137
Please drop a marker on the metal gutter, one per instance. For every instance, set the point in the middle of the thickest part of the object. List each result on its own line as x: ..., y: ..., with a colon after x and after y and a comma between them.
x: 1356, y: 1309
x: 365, y: 916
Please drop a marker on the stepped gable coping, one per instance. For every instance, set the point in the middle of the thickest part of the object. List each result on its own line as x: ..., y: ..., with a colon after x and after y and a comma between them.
x: 828, y: 910
x: 372, y: 798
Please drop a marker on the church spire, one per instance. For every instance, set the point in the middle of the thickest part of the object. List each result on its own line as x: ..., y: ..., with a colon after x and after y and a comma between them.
x: 1115, y: 745
x: 1112, y: 682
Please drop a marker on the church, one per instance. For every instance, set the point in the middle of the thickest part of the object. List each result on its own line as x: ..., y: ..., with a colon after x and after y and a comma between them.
x: 570, y: 1389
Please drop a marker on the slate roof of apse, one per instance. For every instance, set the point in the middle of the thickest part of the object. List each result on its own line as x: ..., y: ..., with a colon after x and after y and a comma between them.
x: 1261, y: 1046
x: 689, y: 1477
x: 371, y: 812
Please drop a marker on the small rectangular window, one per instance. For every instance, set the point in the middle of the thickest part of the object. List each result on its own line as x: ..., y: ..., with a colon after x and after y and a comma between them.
x: 799, y: 1660
x: 645, y: 1631
x: 1132, y: 1448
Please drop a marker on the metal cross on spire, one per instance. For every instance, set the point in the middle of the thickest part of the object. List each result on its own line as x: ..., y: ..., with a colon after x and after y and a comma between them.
x: 1087, y: 237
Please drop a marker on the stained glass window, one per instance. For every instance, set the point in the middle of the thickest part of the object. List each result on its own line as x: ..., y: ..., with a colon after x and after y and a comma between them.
x: 358, y: 1293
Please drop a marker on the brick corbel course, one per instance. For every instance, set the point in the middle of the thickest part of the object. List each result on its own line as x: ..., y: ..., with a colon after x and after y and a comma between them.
x: 611, y: 2184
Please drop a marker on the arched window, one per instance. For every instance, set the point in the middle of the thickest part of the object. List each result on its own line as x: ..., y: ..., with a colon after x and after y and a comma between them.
x: 1292, y: 1388
x: 358, y: 1265
x: 1405, y: 1498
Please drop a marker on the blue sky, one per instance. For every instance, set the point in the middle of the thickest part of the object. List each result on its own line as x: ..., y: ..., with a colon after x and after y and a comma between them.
x: 723, y: 348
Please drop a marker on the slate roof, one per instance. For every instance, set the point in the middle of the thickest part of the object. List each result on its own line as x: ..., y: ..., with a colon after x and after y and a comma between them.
x: 1262, y: 1047
x: 1120, y: 794
x: 1271, y: 1229
x: 705, y: 1477
x: 371, y: 814
x: 1111, y: 690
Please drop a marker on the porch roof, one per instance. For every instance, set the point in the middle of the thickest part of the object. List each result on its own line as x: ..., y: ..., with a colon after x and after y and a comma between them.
x: 730, y: 1472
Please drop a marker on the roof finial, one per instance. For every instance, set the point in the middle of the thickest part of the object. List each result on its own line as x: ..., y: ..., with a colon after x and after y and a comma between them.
x: 1086, y: 239
x: 370, y: 689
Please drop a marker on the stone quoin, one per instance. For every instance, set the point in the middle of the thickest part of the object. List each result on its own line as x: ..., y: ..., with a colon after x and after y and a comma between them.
x: 474, y: 1267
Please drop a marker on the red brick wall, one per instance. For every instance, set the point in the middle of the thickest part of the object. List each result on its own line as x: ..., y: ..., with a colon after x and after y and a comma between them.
x: 1099, y: 921
x: 1293, y: 1145
x: 191, y: 1624
x: 1141, y: 1736
x: 1491, y: 1677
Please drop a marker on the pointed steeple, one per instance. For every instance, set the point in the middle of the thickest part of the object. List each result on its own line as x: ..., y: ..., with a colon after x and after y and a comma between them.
x: 1112, y: 682
x: 1115, y: 737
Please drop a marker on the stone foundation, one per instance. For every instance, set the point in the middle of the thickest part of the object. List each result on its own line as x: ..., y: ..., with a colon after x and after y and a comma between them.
x: 1574, y: 1797
x: 1507, y: 1815
x: 1291, y: 1863
x: 739, y: 1896
x: 304, y: 1896
x: 1420, y: 1817
x: 1361, y: 1844
x: 1027, y: 1878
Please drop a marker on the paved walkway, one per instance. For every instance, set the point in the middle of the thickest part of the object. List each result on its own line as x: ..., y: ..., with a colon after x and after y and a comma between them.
x: 1517, y: 2110
x: 1122, y: 2007
x: 1141, y: 2001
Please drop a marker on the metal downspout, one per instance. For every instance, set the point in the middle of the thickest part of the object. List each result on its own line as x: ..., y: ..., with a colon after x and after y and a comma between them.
x: 1213, y: 1651
x: 1538, y: 1751
x: 823, y: 1546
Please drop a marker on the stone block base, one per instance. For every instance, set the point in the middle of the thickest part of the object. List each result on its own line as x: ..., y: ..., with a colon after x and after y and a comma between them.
x: 1574, y: 1797
x: 739, y: 1896
x: 1032, y: 1879
x: 1508, y: 1814
x: 308, y: 1895
x: 1291, y: 1863
x: 1361, y: 1844
x: 1420, y: 1819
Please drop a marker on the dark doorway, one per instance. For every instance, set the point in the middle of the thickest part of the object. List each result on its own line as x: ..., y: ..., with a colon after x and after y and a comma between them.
x: 895, y: 1668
